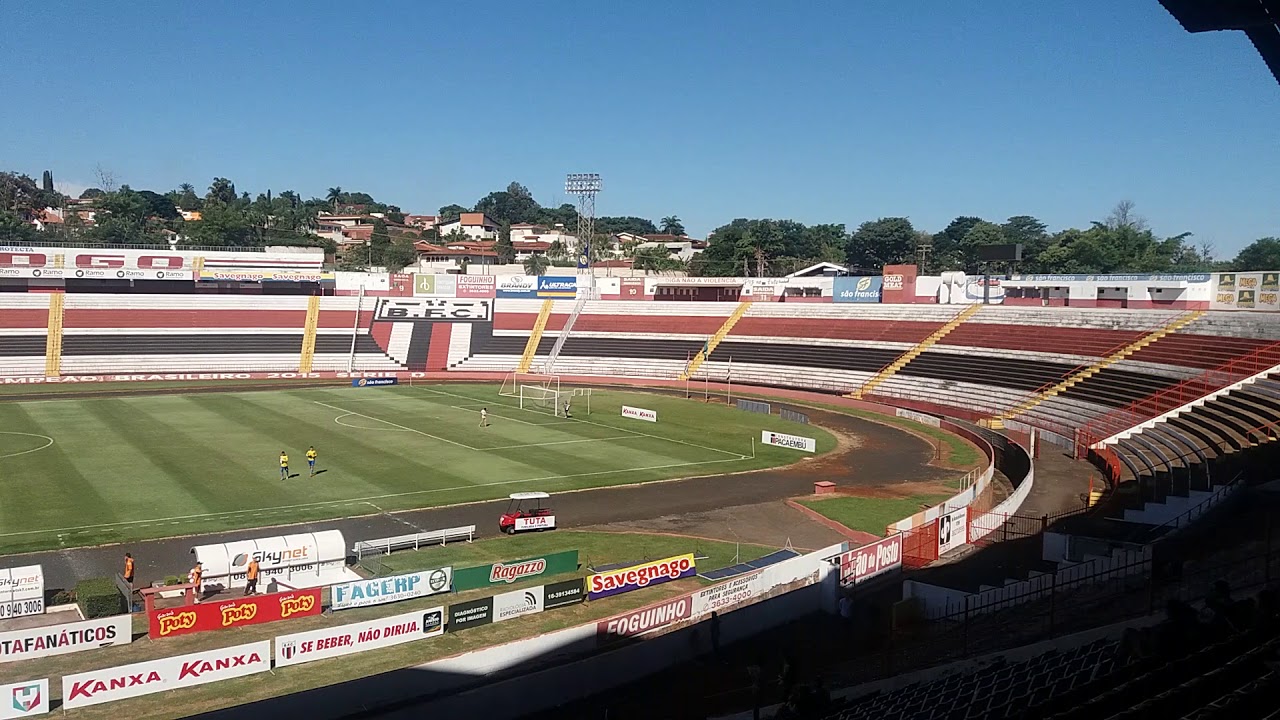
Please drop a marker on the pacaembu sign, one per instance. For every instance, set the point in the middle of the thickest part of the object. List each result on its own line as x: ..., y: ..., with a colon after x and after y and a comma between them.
x: 795, y: 442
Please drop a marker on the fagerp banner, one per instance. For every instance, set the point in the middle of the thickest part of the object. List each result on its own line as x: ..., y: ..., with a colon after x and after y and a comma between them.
x: 171, y: 622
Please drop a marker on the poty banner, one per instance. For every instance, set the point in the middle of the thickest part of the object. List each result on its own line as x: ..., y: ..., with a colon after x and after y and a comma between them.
x: 472, y: 613
x: 622, y: 580
x: 476, y: 286
x: 557, y: 287
x: 373, y: 382
x: 153, y: 676
x: 795, y: 442
x: 474, y: 578
x: 639, y: 413
x: 21, y: 591
x: 24, y: 699
x: 332, y: 642
x: 862, y: 564
x: 953, y: 530
x: 390, y: 589
x: 646, y: 620
x: 518, y: 603
x: 727, y: 594
x: 569, y: 592
x: 67, y: 638
x: 256, y: 610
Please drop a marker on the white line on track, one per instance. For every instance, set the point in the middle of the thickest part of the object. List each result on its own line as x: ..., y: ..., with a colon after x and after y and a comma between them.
x: 48, y: 443
x: 355, y: 501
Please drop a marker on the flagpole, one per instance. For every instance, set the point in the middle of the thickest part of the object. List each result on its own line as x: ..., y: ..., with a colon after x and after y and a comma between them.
x: 688, y: 359
x: 729, y: 398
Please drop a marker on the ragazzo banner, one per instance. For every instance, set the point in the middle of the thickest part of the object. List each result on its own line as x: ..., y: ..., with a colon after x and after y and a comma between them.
x: 24, y: 699
x: 639, y: 413
x: 862, y: 564
x: 153, y: 676
x: 472, y: 613
x: 62, y: 639
x: 795, y: 442
x: 389, y: 589
x: 644, y: 620
x: 517, y: 603
x: 569, y: 592
x: 255, y: 610
x: 483, y: 576
x: 357, y: 637
x: 621, y: 580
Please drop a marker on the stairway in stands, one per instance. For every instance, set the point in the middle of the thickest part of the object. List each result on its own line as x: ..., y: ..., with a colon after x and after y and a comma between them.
x: 1076, y: 378
x: 715, y: 340
x: 535, y: 336
x: 892, y: 368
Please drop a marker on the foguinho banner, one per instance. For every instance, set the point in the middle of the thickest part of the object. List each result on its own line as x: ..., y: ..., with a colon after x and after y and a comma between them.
x: 634, y: 577
x: 390, y: 589
x: 505, y: 573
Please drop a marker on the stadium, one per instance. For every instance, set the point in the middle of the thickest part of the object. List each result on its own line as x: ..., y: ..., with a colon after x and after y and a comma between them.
x: 871, y: 473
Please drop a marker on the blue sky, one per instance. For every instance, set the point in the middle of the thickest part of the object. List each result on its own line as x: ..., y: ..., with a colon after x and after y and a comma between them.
x: 816, y: 110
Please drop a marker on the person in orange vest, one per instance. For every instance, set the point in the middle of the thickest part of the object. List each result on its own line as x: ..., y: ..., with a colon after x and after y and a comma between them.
x: 251, y: 578
x: 196, y: 574
x: 128, y: 569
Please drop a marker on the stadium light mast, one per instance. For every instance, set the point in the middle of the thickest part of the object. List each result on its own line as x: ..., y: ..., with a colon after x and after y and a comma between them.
x: 584, y: 186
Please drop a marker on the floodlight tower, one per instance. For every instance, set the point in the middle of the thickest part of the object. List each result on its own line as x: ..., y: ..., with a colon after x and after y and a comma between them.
x: 584, y: 186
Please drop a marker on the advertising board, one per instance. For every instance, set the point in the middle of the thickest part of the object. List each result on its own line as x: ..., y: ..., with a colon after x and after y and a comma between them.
x: 857, y: 289
x: 332, y: 642
x: 390, y: 589
x: 39, y: 642
x: 557, y: 287
x: 636, y: 413
x: 918, y: 417
x: 795, y: 442
x: 505, y: 573
x: 472, y: 613
x: 517, y: 286
x: 241, y: 275
x: 255, y: 610
x: 153, y: 261
x: 631, y: 288
x: 542, y: 522
x: 1246, y: 291
x: 435, y: 285
x: 518, y: 603
x: 24, y: 699
x: 21, y: 591
x: 373, y: 382
x: 128, y: 681
x: 294, y: 559
x: 476, y: 286
x: 569, y: 592
x: 727, y: 594
x: 645, y: 620
x: 953, y: 530
x: 432, y: 310
x: 862, y: 564
x: 634, y: 577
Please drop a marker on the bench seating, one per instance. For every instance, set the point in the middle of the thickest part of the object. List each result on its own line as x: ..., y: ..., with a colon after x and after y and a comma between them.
x: 388, y: 545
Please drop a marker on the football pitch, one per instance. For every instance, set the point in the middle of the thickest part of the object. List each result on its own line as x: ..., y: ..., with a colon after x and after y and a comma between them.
x: 85, y: 471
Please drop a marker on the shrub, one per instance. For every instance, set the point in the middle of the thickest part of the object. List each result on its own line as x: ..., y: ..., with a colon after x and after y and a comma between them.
x: 174, y: 580
x: 63, y: 597
x: 99, y: 597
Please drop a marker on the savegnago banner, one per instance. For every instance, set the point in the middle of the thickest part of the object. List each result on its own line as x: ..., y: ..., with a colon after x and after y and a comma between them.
x: 621, y: 580
x: 390, y: 589
x: 153, y: 676
x: 304, y: 647
x: 62, y: 639
x: 795, y: 442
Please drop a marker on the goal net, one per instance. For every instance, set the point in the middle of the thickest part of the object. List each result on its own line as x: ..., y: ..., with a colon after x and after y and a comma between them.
x: 513, y: 381
x: 561, y: 403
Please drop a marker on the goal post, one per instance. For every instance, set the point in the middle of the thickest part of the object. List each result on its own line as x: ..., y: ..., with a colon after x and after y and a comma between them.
x: 513, y: 381
x: 557, y: 402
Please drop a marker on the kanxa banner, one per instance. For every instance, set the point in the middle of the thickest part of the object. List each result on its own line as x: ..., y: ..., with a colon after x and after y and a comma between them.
x: 505, y: 573
x: 172, y: 673
x: 390, y: 589
x: 256, y: 610
x: 67, y: 638
x: 357, y: 637
x: 639, y: 413
x: 622, y: 580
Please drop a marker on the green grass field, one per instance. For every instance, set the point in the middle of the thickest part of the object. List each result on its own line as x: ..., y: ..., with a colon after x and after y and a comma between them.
x: 871, y: 515
x: 85, y: 471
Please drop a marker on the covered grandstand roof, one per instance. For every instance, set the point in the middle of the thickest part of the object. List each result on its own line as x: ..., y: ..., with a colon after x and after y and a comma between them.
x: 1259, y: 19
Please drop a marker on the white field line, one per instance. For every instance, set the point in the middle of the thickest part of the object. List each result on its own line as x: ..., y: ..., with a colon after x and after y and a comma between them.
x: 559, y: 442
x: 26, y: 452
x: 611, y: 427
x: 177, y: 519
x: 338, y: 420
x: 466, y: 408
x: 395, y: 425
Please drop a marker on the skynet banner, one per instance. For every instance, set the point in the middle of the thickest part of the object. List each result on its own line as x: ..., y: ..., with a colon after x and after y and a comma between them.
x: 795, y: 442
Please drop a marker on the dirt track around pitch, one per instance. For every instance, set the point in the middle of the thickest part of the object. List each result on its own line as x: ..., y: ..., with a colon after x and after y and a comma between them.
x: 745, y: 507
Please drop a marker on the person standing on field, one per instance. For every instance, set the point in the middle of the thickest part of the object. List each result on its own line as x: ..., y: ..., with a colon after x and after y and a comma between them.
x: 311, y: 459
x: 196, y: 575
x: 251, y: 578
x: 484, y: 417
x: 128, y: 570
x: 284, y: 465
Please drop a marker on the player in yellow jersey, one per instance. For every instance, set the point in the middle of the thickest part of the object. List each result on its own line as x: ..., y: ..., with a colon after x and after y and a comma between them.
x: 311, y: 459
x: 284, y: 465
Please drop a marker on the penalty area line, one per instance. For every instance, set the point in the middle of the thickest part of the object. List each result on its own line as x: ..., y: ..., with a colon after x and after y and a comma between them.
x: 178, y: 519
x: 394, y: 425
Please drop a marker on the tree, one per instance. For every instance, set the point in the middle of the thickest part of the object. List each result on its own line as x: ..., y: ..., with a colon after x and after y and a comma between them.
x: 222, y: 190
x: 20, y: 195
x: 557, y: 251
x: 15, y: 230
x: 449, y: 213
x: 334, y: 196
x: 47, y: 181
x: 655, y: 259
x: 506, y: 251
x: 536, y: 264
x: 671, y: 225
x: 106, y: 178
x: 379, y: 242
x: 881, y: 242
x: 400, y: 254
x: 982, y: 233
x: 946, y: 252
x: 91, y: 193
x: 1261, y: 254
x: 511, y: 206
